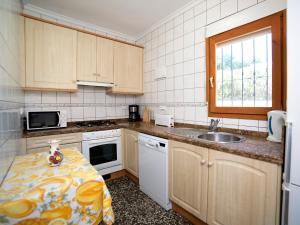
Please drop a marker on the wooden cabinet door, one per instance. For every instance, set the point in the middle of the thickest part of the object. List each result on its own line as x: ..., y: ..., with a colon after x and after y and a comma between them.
x: 105, y: 60
x: 50, y: 56
x: 135, y: 69
x: 242, y: 191
x: 86, y: 57
x: 131, y: 152
x: 188, y: 177
x: 128, y: 69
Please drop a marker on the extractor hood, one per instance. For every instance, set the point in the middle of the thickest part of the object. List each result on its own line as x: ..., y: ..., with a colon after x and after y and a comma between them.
x: 94, y: 83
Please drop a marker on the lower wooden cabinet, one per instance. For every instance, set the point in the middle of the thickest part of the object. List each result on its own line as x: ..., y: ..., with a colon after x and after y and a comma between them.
x: 241, y: 190
x: 40, y: 144
x: 223, y: 189
x: 131, y: 152
x: 76, y: 145
x: 188, y: 177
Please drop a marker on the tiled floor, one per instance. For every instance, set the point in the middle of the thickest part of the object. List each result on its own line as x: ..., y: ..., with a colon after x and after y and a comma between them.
x: 131, y: 206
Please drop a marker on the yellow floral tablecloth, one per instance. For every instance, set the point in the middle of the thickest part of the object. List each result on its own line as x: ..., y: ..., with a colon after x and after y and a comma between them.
x: 73, y: 193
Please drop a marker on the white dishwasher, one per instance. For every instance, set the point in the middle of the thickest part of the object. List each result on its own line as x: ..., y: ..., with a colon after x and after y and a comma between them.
x: 153, y: 169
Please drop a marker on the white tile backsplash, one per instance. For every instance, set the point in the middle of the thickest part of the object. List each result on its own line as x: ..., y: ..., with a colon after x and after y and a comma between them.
x: 212, y: 3
x: 213, y: 14
x: 188, y: 14
x: 200, y: 20
x: 88, y: 103
x: 184, y: 89
x: 63, y: 97
x: 12, y: 69
x: 229, y: 7
x: 49, y: 97
x: 76, y: 97
x: 189, y: 26
x: 243, y: 4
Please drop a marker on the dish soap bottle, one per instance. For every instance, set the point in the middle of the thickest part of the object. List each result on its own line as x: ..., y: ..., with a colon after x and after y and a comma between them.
x: 55, y: 156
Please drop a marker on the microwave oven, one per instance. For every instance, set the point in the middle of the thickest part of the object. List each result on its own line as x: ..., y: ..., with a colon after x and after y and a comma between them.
x: 38, y: 120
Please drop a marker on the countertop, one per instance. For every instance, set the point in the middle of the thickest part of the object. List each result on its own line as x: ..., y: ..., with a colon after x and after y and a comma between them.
x: 253, y: 147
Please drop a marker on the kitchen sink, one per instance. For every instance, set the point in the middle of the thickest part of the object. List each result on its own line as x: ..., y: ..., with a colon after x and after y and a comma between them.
x: 187, y: 132
x: 219, y: 137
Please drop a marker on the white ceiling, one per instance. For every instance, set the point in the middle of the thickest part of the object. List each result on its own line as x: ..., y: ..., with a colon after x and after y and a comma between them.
x: 130, y: 17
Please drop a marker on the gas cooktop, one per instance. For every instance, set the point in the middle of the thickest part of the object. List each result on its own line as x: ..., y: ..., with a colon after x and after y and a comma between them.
x: 97, y: 123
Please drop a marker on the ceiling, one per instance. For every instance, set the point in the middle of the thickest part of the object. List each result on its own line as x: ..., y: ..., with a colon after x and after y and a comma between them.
x: 130, y: 17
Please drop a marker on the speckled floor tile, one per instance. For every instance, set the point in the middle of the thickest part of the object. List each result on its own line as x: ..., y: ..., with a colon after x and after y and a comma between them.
x: 133, y: 207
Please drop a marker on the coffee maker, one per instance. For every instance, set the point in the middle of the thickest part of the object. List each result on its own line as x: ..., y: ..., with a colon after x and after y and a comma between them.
x: 134, y: 113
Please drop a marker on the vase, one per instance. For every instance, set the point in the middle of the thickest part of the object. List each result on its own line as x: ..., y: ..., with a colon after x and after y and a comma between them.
x: 55, y: 155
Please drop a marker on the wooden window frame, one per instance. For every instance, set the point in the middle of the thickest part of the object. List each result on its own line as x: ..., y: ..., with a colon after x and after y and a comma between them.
x: 277, y: 24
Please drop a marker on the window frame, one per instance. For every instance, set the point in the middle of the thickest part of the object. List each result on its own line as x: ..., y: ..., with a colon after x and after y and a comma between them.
x: 277, y: 24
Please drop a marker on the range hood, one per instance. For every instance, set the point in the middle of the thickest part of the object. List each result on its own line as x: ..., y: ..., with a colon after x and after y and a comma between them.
x: 94, y: 83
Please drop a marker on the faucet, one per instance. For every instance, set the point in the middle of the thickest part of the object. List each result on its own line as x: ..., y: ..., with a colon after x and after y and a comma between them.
x: 213, y: 127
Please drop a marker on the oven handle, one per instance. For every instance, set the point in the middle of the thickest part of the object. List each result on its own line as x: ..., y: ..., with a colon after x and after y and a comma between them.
x: 101, y: 141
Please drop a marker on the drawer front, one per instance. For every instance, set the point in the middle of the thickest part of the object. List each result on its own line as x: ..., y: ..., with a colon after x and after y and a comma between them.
x: 45, y: 149
x: 73, y: 145
x: 39, y: 142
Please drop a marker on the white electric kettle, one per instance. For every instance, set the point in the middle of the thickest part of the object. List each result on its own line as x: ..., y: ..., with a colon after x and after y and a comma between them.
x: 276, y: 119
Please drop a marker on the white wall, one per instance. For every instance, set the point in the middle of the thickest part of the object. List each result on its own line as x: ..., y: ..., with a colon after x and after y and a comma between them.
x: 11, y: 70
x: 179, y: 44
x: 89, y: 103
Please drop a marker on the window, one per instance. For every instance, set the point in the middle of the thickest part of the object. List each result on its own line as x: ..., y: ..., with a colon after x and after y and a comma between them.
x: 244, y: 69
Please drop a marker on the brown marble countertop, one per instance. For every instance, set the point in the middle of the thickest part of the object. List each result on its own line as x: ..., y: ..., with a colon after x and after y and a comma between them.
x: 253, y: 147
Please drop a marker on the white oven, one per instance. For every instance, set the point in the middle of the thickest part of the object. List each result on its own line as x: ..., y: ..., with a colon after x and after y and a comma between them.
x: 103, y: 150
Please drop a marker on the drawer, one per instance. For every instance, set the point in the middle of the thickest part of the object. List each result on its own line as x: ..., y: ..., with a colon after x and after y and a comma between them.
x: 45, y: 149
x: 39, y: 142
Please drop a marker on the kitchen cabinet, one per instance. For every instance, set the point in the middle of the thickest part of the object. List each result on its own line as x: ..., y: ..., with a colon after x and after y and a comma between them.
x: 50, y: 56
x: 94, y: 58
x: 131, y: 152
x: 76, y: 145
x: 128, y: 69
x: 221, y: 188
x: 241, y: 190
x: 188, y: 177
x: 86, y: 57
x: 40, y: 144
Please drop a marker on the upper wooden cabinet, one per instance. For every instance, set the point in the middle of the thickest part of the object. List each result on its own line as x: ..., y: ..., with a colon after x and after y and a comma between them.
x: 105, y: 60
x: 94, y: 58
x: 50, y: 56
x: 86, y: 57
x: 128, y: 69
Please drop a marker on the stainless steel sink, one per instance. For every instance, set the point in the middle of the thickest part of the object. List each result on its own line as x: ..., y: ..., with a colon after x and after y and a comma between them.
x: 221, y: 137
x: 187, y: 132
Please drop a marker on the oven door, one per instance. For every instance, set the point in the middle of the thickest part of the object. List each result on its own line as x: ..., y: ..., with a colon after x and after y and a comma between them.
x: 103, y: 153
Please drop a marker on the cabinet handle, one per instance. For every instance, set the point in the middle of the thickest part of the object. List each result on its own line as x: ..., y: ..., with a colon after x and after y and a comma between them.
x: 116, y: 85
x: 202, y: 162
x: 97, y: 74
x: 210, y: 164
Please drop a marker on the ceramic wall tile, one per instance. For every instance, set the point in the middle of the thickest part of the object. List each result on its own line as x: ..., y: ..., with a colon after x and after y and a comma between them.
x: 11, y: 94
x: 185, y: 61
